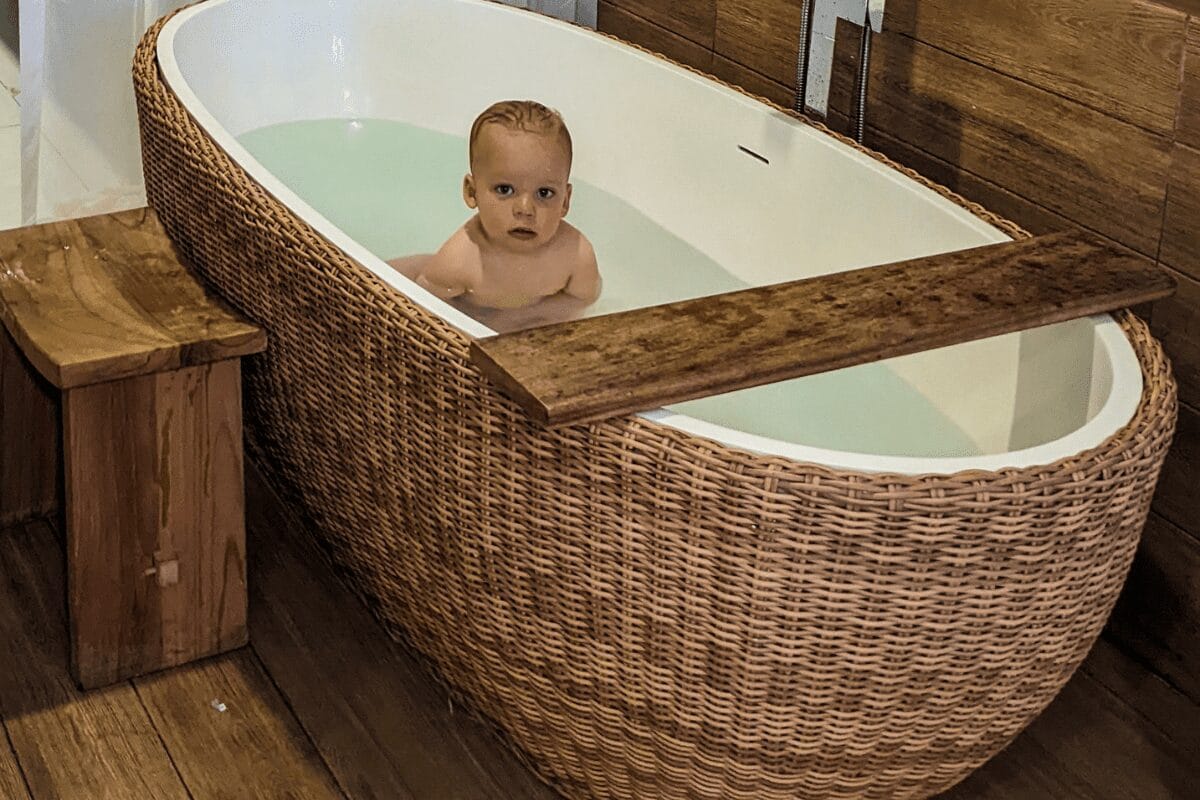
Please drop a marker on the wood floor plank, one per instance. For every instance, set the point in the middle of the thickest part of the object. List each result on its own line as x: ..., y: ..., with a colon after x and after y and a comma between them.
x: 1159, y: 704
x: 1157, y: 617
x: 385, y: 728
x: 253, y: 748
x: 1091, y: 744
x: 69, y: 744
x: 12, y: 785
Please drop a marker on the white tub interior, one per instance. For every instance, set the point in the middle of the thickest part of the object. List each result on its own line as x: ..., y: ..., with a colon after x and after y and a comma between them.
x: 667, y: 142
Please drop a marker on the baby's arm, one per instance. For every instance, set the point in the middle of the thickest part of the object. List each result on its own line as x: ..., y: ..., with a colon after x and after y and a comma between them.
x: 454, y: 269
x: 584, y: 282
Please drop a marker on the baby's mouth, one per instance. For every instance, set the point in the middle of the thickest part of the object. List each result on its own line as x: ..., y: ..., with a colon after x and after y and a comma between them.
x: 523, y: 233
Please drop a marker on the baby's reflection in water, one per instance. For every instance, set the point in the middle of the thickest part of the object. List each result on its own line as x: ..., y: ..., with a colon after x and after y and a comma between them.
x: 547, y: 311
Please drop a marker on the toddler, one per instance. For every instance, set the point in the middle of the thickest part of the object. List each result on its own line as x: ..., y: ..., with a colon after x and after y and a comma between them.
x: 517, y: 250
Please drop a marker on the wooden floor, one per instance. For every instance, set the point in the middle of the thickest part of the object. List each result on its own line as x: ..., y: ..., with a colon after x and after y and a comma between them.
x: 322, y: 705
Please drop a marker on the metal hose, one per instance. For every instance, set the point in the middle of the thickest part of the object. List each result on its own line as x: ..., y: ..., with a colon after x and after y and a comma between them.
x: 806, y: 7
x: 864, y: 70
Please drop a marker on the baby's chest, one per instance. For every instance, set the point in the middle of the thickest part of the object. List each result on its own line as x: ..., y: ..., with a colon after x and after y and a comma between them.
x: 536, y: 278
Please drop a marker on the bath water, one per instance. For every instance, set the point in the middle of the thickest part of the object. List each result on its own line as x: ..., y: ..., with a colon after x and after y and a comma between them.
x: 396, y: 189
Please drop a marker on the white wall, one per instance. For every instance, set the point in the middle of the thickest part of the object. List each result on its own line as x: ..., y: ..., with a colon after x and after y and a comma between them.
x: 77, y: 98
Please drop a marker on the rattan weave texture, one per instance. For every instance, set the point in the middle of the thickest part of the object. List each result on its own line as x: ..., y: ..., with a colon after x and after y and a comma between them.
x: 647, y: 613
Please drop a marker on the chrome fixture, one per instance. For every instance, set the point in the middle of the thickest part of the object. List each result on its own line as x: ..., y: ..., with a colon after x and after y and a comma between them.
x: 814, y: 62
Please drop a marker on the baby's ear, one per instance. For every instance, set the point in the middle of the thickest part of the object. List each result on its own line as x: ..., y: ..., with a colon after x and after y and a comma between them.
x: 567, y: 201
x: 469, y: 191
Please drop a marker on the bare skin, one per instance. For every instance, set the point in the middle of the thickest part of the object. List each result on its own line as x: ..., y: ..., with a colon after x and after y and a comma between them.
x: 516, y: 251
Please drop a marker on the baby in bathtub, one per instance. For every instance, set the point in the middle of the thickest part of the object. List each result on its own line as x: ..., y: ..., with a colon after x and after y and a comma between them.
x: 517, y: 250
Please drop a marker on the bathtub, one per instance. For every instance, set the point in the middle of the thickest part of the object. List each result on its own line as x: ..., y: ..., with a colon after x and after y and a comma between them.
x: 722, y: 599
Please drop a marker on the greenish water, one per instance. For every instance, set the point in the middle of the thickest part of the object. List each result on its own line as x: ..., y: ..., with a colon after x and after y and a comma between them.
x: 396, y: 189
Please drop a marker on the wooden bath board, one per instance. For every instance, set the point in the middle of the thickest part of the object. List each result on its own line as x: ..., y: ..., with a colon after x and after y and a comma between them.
x: 616, y: 364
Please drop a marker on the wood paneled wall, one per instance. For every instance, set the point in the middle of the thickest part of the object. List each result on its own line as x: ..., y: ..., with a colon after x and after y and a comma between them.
x: 1056, y: 114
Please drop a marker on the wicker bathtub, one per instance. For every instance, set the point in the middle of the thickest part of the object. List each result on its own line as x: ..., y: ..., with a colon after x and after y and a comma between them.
x: 644, y: 610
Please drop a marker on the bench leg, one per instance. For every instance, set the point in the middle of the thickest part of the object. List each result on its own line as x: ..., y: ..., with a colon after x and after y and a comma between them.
x: 29, y: 475
x: 156, y: 556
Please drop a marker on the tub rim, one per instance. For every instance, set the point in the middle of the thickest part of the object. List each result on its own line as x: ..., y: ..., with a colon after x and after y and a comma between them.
x: 1118, y: 409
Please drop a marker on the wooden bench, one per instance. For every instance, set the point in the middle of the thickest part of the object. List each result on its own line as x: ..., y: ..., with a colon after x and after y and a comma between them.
x: 118, y: 359
x: 606, y: 366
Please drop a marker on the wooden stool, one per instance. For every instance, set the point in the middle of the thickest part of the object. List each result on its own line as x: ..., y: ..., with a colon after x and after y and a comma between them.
x: 140, y: 386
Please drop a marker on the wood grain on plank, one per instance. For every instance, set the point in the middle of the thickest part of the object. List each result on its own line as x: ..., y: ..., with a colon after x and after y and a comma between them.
x: 1159, y: 705
x: 29, y: 439
x: 96, y: 745
x: 1090, y: 744
x: 12, y: 784
x: 620, y: 23
x: 691, y: 19
x: 1189, y: 103
x: 1158, y: 614
x: 739, y: 75
x: 1101, y: 173
x: 1175, y: 497
x: 620, y: 363
x: 1175, y: 321
x: 1121, y: 57
x: 762, y: 35
x: 155, y: 520
x: 386, y: 729
x: 253, y: 748
x: 1181, y: 226
x: 105, y: 297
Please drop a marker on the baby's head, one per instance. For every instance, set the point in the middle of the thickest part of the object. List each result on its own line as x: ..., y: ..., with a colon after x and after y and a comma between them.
x: 520, y: 155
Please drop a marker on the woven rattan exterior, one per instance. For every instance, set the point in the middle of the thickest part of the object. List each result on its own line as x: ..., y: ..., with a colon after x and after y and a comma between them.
x: 646, y: 613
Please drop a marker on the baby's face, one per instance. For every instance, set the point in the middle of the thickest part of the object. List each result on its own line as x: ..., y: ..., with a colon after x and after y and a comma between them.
x: 519, y: 184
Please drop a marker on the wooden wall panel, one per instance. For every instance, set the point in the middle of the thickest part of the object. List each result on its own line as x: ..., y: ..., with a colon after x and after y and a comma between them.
x: 1103, y: 174
x: 1158, y: 614
x: 1181, y: 224
x: 1189, y: 107
x: 733, y: 72
x: 632, y: 28
x: 1176, y: 323
x: 1180, y: 478
x: 1117, y: 56
x: 691, y: 19
x: 760, y: 34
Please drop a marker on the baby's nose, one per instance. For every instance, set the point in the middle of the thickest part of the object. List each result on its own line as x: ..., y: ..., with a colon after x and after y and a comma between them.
x: 524, y: 205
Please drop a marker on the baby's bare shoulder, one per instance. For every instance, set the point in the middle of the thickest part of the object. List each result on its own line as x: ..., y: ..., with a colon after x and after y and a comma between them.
x: 458, y: 257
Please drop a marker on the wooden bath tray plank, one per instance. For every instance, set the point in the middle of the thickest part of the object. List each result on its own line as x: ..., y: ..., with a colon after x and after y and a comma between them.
x: 100, y: 298
x: 617, y: 364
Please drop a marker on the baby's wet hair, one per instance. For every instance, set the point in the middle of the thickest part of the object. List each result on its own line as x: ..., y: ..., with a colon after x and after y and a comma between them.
x: 522, y: 115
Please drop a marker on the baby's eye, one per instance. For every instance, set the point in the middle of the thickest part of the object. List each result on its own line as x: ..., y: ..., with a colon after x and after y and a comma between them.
x: 504, y: 189
x: 545, y: 193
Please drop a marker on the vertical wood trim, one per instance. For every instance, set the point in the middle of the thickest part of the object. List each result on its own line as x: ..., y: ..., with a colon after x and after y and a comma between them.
x: 29, y: 439
x: 155, y: 521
